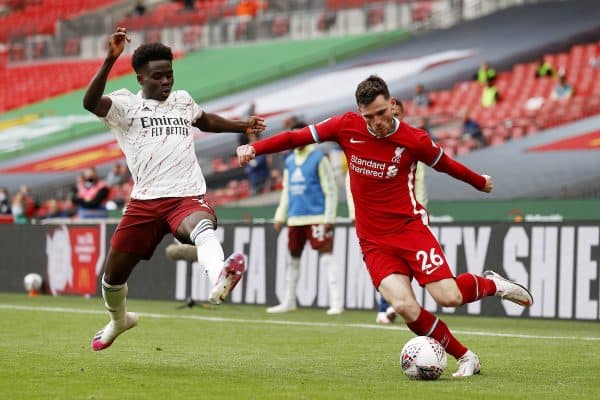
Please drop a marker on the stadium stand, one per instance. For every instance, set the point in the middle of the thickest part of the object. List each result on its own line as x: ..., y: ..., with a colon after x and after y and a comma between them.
x: 513, y: 117
x: 37, y: 17
x: 34, y: 82
x: 174, y: 14
x: 420, y: 10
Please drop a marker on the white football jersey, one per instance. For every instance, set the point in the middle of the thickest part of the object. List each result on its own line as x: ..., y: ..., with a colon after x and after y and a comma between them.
x: 158, y: 143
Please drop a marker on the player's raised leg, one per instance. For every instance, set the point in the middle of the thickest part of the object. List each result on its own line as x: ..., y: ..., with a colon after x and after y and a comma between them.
x: 114, y: 291
x: 467, y: 288
x: 509, y: 290
x: 223, y: 275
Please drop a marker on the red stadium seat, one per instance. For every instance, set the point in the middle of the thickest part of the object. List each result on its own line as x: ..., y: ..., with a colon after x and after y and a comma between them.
x: 496, y: 140
x: 40, y: 17
x: 510, y: 118
x: 170, y: 14
x: 35, y: 82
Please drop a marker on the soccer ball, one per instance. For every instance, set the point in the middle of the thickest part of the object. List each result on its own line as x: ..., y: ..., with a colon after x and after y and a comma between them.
x: 32, y: 282
x: 423, y: 358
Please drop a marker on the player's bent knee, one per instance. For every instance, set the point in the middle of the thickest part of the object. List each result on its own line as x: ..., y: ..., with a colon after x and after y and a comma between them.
x: 451, y: 299
x: 445, y: 293
x: 408, y: 309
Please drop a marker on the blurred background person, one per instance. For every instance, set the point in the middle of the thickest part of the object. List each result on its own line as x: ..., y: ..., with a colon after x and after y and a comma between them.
x: 308, y: 204
x: 248, y: 9
x: 53, y: 210
x: 258, y: 171
x: 562, y: 90
x: 544, y: 68
x: 91, y: 195
x: 188, y: 5
x: 421, y: 97
x: 17, y: 207
x: 4, y: 201
x: 118, y: 175
x: 139, y: 8
x: 29, y: 204
x: 471, y: 129
x: 485, y: 73
x: 490, y: 95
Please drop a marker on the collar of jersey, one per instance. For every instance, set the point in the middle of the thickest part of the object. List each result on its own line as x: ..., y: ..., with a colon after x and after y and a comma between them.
x: 390, y: 133
x: 140, y: 94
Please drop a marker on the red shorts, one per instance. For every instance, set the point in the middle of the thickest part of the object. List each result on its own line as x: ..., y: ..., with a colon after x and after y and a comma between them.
x: 413, y: 251
x: 315, y: 234
x: 146, y: 222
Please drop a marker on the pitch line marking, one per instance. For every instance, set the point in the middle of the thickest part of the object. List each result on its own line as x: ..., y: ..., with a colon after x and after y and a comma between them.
x: 284, y: 322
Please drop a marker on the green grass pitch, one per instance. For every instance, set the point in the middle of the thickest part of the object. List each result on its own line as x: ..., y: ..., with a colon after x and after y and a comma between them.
x: 240, y: 352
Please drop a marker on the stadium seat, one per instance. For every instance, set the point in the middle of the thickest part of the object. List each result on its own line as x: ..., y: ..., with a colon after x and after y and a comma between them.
x: 169, y: 14
x: 510, y: 118
x: 40, y: 17
x: 35, y: 82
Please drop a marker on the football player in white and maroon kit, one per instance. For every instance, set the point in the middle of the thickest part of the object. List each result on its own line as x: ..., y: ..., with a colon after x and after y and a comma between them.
x: 392, y: 227
x: 154, y: 130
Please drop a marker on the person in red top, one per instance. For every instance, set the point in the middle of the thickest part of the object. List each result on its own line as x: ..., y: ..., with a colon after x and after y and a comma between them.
x: 391, y: 225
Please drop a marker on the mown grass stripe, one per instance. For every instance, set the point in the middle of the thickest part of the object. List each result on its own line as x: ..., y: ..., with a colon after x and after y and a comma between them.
x: 295, y: 323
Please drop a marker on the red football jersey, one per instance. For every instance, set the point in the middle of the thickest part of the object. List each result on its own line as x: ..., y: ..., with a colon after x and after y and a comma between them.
x: 382, y: 170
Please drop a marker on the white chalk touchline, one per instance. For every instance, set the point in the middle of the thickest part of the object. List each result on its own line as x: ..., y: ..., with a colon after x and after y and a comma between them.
x: 283, y: 322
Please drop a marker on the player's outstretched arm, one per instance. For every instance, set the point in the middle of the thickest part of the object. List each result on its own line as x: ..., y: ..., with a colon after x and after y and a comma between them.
x: 285, y: 140
x: 93, y: 100
x: 209, y: 122
x: 459, y: 171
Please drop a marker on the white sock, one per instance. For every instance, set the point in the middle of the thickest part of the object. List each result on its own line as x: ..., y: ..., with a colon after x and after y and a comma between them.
x: 210, y: 252
x: 293, y: 276
x: 336, y: 300
x: 114, y: 300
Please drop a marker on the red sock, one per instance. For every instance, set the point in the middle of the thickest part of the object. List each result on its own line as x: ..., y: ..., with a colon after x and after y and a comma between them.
x: 474, y: 287
x: 428, y: 324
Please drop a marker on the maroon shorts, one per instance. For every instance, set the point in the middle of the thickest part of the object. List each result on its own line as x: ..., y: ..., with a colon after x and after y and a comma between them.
x: 146, y: 222
x: 315, y: 234
x: 414, y: 252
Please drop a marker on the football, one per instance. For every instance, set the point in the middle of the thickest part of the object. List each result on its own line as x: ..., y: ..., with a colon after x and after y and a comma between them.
x: 423, y: 358
x: 32, y: 282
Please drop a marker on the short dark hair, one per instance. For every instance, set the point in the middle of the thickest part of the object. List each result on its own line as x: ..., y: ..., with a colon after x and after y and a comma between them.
x: 150, y: 52
x: 369, y: 89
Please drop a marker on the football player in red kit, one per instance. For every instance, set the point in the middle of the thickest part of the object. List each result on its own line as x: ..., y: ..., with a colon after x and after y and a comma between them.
x: 392, y: 227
